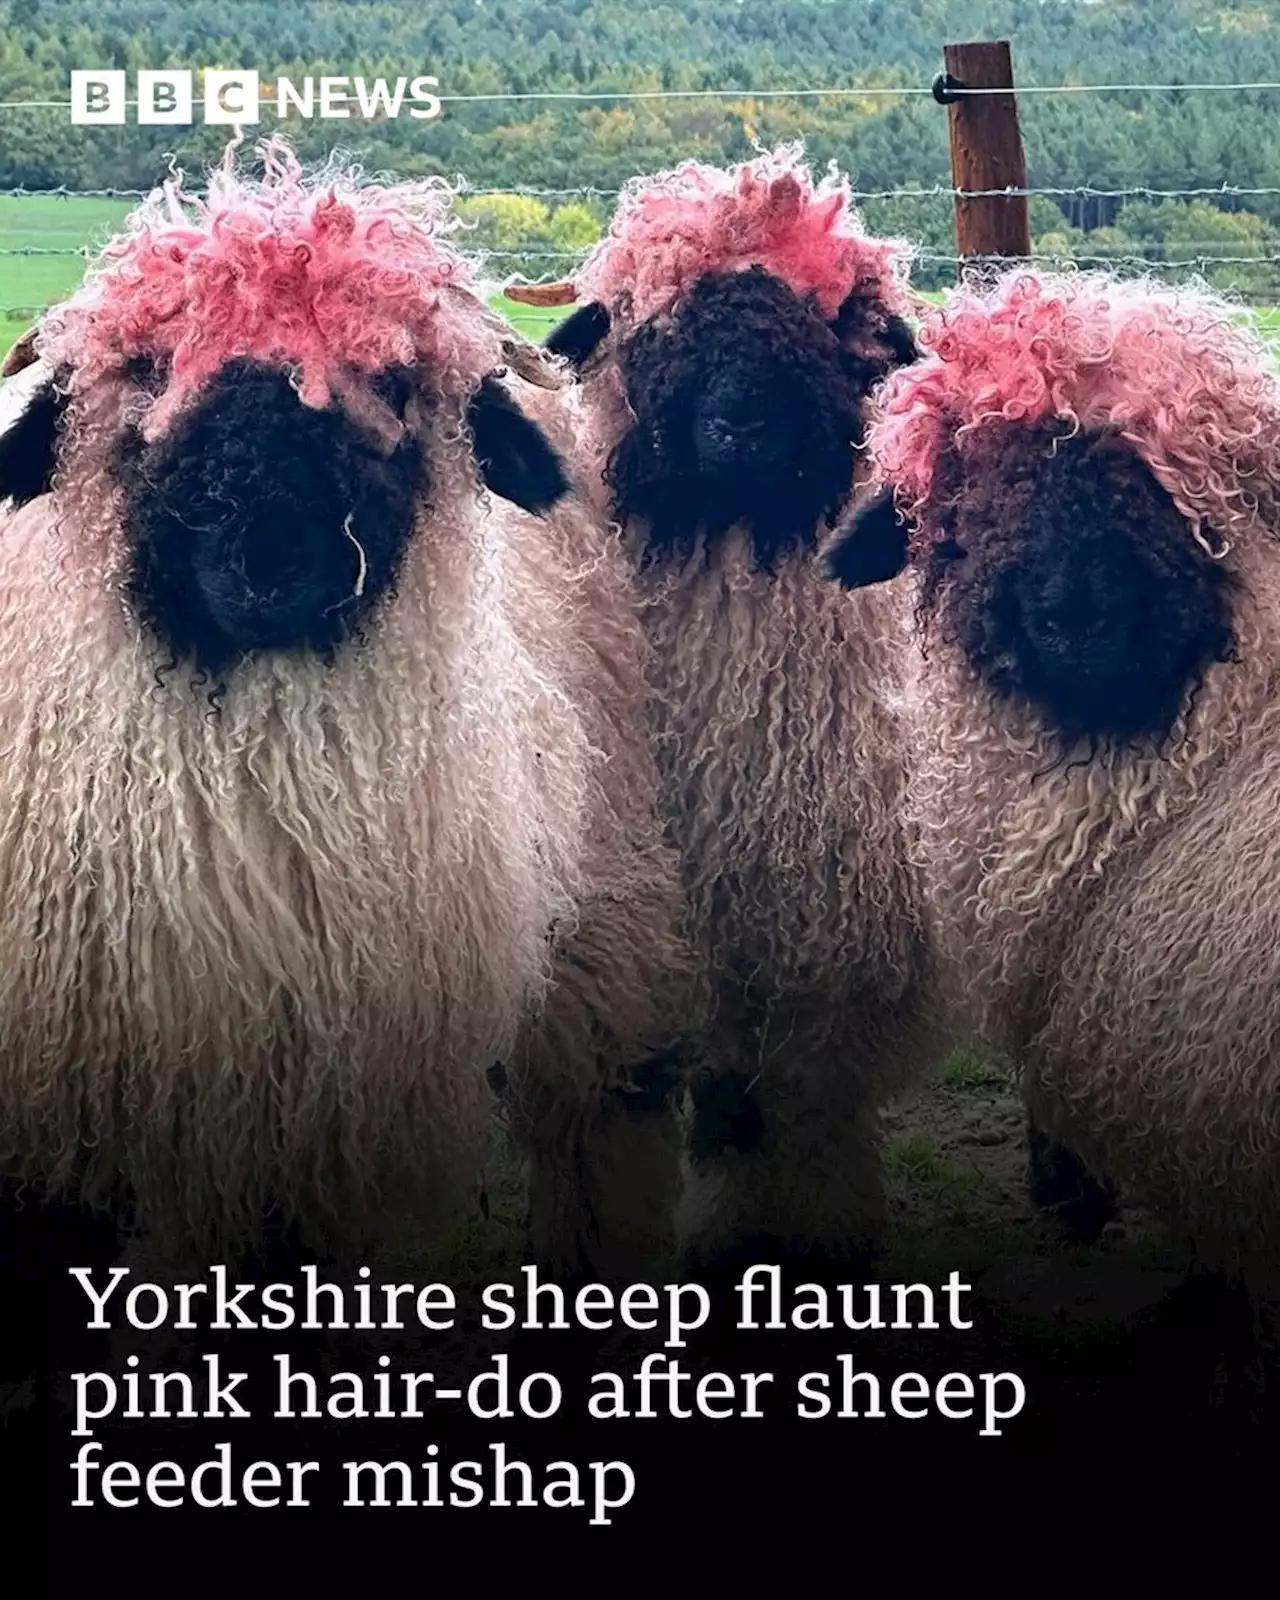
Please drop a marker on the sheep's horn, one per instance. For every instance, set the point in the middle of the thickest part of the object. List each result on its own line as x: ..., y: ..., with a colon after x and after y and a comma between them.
x: 542, y: 294
x: 529, y: 363
x: 22, y: 356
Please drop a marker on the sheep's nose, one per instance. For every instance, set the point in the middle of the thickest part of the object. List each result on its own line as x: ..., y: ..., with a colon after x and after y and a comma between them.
x: 261, y: 524
x: 740, y: 412
x: 723, y: 435
x: 733, y: 433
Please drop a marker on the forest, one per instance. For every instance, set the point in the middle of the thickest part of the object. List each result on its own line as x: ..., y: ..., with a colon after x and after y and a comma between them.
x: 1190, y: 139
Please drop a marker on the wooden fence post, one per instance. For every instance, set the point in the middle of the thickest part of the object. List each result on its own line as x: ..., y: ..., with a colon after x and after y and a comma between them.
x: 986, y: 153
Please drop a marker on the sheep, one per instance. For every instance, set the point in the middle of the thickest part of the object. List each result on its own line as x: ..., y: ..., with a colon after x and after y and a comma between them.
x: 728, y: 329
x: 1083, y: 478
x: 324, y: 784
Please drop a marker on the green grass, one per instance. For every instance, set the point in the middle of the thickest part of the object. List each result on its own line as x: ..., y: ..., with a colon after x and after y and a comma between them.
x: 28, y: 283
x: 1269, y: 323
x: 946, y: 1216
x: 915, y: 1161
x: 917, y: 1164
x: 529, y: 320
x: 964, y: 1071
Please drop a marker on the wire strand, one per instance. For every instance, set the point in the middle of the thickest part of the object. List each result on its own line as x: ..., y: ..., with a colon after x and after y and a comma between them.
x: 938, y: 191
x: 838, y: 91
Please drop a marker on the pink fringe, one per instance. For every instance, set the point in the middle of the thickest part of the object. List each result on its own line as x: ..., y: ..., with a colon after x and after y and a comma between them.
x: 332, y: 278
x: 671, y: 229
x: 1173, y: 372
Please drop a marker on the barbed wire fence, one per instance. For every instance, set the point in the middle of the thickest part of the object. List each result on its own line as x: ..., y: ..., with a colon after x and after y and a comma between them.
x: 1197, y: 258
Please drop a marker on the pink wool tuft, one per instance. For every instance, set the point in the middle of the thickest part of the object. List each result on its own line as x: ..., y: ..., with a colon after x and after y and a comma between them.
x: 670, y: 230
x: 1173, y: 372
x: 332, y: 278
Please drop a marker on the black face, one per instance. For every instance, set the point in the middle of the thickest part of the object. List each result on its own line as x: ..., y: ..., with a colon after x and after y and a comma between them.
x: 1112, y: 613
x: 261, y: 524
x: 748, y: 408
x: 1065, y: 573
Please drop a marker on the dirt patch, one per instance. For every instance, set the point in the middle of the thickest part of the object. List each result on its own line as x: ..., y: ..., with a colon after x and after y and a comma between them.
x: 956, y: 1155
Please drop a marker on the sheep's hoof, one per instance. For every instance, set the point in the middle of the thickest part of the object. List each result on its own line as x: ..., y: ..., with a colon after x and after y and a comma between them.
x: 1062, y: 1185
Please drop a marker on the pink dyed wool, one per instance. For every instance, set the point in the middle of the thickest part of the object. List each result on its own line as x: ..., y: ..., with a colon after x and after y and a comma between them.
x: 330, y: 278
x: 1173, y: 372
x: 670, y: 230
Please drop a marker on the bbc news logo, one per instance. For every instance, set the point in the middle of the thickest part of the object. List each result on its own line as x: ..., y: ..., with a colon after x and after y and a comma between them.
x: 237, y: 97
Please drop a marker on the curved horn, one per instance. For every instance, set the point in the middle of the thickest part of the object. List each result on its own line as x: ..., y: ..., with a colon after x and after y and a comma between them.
x: 533, y: 365
x: 22, y: 356
x: 542, y: 294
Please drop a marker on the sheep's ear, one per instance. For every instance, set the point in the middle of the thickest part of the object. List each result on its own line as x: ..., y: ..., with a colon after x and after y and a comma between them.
x: 29, y: 447
x: 882, y: 341
x: 515, y: 458
x: 901, y: 342
x: 579, y: 336
x: 872, y: 545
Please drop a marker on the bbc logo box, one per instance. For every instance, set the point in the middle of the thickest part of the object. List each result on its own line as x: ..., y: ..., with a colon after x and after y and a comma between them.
x: 232, y: 97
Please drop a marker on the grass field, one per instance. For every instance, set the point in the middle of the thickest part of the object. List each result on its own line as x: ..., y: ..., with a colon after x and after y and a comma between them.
x: 956, y: 1152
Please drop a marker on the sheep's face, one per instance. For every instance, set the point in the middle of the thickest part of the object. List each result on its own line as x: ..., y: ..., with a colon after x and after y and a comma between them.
x: 257, y: 523
x: 267, y: 399
x: 1064, y: 573
x: 747, y: 406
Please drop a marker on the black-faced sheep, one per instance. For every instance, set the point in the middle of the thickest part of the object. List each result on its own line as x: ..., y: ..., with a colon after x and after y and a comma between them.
x: 731, y: 325
x: 323, y: 780
x: 1085, y: 477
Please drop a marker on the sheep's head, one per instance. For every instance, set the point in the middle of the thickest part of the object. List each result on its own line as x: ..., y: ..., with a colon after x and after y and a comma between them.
x: 272, y: 377
x: 1066, y: 472
x: 749, y: 316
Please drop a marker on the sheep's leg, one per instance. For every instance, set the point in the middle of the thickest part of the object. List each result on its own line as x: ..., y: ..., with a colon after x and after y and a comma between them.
x: 783, y: 1170
x: 592, y: 1096
x: 603, y: 1171
x: 1062, y: 1185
